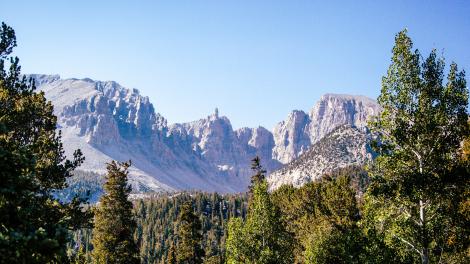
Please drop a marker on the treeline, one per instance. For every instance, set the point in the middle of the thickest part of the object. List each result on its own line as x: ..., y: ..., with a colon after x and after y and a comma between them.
x: 157, y: 224
x: 332, y: 202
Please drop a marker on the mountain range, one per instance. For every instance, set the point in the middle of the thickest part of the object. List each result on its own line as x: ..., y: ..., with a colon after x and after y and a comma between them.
x: 107, y: 121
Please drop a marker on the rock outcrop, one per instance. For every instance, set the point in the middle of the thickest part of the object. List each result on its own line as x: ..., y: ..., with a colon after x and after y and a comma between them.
x: 296, y: 134
x: 343, y: 147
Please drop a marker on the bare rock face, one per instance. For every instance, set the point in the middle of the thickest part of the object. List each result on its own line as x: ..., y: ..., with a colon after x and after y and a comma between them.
x: 344, y: 146
x: 107, y: 113
x: 334, y: 110
x: 100, y: 118
x: 291, y: 136
x: 107, y: 121
x: 296, y: 134
x: 224, y: 150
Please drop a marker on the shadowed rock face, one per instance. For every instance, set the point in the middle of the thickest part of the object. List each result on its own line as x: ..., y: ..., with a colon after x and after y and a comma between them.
x: 107, y: 121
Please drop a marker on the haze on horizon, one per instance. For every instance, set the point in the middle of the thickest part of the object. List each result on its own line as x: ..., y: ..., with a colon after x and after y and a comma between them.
x: 255, y: 61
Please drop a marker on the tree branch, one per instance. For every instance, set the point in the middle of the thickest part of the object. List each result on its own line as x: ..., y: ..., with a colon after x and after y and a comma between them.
x: 409, y: 244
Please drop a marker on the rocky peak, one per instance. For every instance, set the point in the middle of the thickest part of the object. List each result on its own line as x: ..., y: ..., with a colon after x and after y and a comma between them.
x: 295, y: 135
x: 103, y: 111
x: 333, y: 110
x: 291, y: 136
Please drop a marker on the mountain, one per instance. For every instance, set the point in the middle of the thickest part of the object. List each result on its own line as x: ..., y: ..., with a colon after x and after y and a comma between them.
x: 345, y: 146
x: 107, y: 121
x: 300, y: 130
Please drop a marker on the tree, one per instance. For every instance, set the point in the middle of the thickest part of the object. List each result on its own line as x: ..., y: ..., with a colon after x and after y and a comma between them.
x: 335, y: 236
x: 190, y: 250
x: 419, y: 173
x: 34, y: 224
x: 324, y: 217
x: 262, y: 238
x: 259, y: 171
x: 114, y: 222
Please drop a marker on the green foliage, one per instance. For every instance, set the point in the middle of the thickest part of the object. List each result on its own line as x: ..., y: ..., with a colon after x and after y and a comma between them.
x: 324, y: 216
x: 34, y: 225
x: 114, y: 223
x: 419, y: 177
x: 157, y: 224
x: 157, y: 219
x: 189, y: 247
x: 262, y: 238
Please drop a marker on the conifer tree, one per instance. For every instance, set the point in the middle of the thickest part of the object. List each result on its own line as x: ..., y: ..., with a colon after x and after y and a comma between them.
x: 419, y: 174
x: 34, y: 225
x: 190, y: 249
x: 114, y: 223
x: 262, y: 238
x: 259, y: 172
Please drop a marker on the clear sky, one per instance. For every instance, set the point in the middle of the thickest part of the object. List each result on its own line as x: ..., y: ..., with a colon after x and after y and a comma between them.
x: 254, y: 60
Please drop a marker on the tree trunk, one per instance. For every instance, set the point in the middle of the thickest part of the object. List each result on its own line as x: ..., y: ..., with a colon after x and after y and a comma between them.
x: 425, y: 249
x: 425, y: 256
x: 422, y: 221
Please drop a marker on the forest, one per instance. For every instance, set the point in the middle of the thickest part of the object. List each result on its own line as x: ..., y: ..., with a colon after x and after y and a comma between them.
x: 410, y: 205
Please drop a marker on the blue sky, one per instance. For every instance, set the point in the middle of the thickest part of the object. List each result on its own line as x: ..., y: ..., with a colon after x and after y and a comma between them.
x: 254, y: 60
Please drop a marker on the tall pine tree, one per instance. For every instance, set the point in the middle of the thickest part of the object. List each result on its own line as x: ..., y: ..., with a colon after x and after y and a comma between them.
x: 259, y: 173
x: 34, y: 225
x: 190, y: 249
x: 114, y: 222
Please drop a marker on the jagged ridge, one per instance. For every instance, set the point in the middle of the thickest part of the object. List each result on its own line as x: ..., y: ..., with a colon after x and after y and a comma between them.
x: 108, y: 121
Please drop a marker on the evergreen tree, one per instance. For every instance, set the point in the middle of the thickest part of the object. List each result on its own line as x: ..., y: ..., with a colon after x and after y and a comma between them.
x: 262, y: 238
x: 114, y: 222
x: 419, y: 176
x: 259, y: 173
x: 190, y: 250
x: 34, y: 225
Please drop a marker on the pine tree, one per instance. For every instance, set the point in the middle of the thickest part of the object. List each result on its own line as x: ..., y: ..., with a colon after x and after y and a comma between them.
x: 419, y: 175
x: 190, y: 250
x: 114, y: 223
x: 259, y: 173
x: 262, y: 238
x: 34, y: 224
